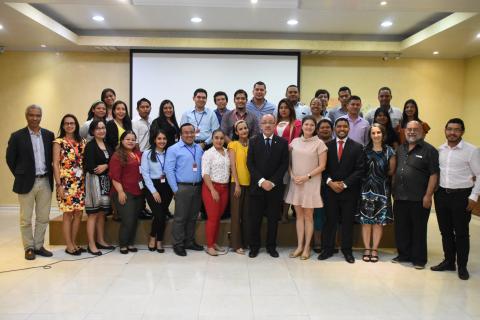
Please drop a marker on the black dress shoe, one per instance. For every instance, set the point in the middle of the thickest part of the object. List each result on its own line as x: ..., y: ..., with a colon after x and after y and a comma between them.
x: 100, y: 246
x: 399, y: 259
x: 43, y: 252
x: 180, y: 251
x: 151, y: 248
x: 463, y: 273
x: 97, y: 253
x: 324, y: 255
x: 74, y: 253
x: 124, y: 250
x: 273, y: 253
x: 253, y: 253
x: 444, y: 266
x: 160, y: 250
x: 30, y: 254
x: 132, y: 249
x: 145, y: 215
x: 349, y: 257
x: 195, y: 247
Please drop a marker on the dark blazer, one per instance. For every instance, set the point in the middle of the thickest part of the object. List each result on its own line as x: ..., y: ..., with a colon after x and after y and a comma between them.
x: 350, y: 169
x: 21, y: 161
x: 270, y: 166
x: 94, y: 156
x: 112, y: 134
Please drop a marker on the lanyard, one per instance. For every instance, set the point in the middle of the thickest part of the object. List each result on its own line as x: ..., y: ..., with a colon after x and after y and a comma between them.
x: 161, y: 164
x: 194, y: 153
x: 195, y: 116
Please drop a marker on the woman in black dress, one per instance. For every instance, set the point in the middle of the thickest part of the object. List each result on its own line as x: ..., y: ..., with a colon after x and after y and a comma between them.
x: 167, y: 122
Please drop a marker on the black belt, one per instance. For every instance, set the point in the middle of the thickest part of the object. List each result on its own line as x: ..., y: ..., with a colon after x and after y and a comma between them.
x: 41, y: 175
x: 446, y: 190
x: 190, y: 183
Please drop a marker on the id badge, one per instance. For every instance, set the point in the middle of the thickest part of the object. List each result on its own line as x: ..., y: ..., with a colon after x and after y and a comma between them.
x: 140, y: 185
x: 197, y: 132
x: 194, y: 167
x: 79, y: 173
x: 162, y: 179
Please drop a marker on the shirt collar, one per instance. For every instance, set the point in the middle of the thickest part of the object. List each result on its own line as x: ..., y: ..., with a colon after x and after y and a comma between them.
x: 344, y: 139
x: 32, y: 133
x: 265, y: 137
x: 458, y: 146
x: 195, y: 110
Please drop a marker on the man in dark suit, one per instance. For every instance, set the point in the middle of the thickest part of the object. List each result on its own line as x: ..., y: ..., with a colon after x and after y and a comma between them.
x: 29, y: 158
x: 267, y: 162
x: 343, y: 174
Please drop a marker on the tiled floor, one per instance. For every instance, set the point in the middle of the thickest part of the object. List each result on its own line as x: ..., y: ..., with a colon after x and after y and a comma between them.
x: 156, y: 286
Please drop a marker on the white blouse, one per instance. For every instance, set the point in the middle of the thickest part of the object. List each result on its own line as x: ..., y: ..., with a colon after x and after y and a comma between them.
x: 217, y: 166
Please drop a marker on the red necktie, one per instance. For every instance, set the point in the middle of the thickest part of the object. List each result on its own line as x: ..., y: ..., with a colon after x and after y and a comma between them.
x: 340, y: 149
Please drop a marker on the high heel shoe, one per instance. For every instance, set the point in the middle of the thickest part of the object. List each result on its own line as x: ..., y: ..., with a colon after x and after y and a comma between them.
x: 74, y: 253
x: 97, y: 253
x: 307, y: 255
x: 294, y: 254
x: 101, y: 246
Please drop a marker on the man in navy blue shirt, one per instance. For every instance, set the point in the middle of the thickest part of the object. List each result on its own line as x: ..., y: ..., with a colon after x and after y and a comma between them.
x: 183, y: 165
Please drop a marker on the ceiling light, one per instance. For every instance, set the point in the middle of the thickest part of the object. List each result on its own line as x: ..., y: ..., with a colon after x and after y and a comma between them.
x: 43, y: 45
x: 98, y: 18
x: 387, y: 24
x: 435, y: 52
x: 383, y: 3
x: 292, y: 22
x: 196, y: 19
x: 254, y: 1
x: 478, y: 34
x: 1, y: 27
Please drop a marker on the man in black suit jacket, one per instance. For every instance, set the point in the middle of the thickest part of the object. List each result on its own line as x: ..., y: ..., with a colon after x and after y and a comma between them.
x: 267, y: 162
x: 343, y: 174
x: 29, y: 158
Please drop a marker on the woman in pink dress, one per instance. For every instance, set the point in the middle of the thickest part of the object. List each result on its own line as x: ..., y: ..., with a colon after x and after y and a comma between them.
x: 308, y: 159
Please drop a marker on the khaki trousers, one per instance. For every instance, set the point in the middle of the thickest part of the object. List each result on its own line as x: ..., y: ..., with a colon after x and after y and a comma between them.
x: 40, y: 198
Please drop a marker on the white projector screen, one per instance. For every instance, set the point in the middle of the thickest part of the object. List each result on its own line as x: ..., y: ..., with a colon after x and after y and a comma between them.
x: 175, y: 76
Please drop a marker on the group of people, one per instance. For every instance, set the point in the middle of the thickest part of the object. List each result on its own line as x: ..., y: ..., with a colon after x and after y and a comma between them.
x: 334, y: 167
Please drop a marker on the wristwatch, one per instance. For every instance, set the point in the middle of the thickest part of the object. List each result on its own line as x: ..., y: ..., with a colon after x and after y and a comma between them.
x: 309, y: 176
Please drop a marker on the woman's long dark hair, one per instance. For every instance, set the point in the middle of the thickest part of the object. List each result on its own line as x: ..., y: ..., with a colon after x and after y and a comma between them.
x: 153, y: 146
x: 161, y: 113
x: 235, y: 136
x: 91, y: 114
x: 161, y: 121
x: 121, y: 151
x: 292, y: 117
x: 104, y: 94
x: 76, y: 133
x: 404, y: 121
x: 127, y: 122
x: 391, y: 136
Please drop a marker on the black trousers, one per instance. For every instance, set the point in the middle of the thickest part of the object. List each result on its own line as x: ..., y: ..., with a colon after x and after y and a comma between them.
x: 339, y: 208
x: 159, y: 210
x: 453, y: 221
x: 129, y: 214
x: 267, y: 204
x: 411, y: 220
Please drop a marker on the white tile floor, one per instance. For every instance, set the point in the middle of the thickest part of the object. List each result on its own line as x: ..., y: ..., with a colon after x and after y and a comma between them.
x: 156, y: 286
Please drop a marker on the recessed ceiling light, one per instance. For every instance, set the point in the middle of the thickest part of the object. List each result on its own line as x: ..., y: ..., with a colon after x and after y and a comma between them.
x: 387, y: 24
x: 98, y: 18
x: 435, y: 52
x: 43, y: 45
x: 1, y: 27
x: 383, y: 3
x: 196, y: 19
x: 254, y: 1
x: 478, y: 35
x: 292, y: 22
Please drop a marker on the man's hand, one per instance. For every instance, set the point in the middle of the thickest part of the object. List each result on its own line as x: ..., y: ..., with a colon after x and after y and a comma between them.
x: 267, y: 185
x: 427, y: 201
x: 336, y: 186
x: 471, y: 205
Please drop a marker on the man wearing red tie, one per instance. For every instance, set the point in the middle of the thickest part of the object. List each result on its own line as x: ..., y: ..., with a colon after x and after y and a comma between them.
x: 343, y: 174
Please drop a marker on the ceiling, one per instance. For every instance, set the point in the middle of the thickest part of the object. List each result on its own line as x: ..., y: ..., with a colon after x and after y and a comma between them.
x: 332, y: 27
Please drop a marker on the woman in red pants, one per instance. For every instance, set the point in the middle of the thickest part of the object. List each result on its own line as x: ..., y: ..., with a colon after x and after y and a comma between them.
x: 216, y: 175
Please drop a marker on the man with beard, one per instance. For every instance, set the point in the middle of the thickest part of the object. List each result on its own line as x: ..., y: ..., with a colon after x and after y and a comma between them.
x: 293, y: 95
x: 343, y: 174
x: 456, y: 196
x: 414, y: 181
x: 239, y: 113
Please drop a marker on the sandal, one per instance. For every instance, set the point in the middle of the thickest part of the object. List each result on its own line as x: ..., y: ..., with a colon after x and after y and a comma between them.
x: 374, y: 257
x: 367, y: 257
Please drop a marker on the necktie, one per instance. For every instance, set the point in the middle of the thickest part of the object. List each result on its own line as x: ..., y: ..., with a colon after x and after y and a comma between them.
x: 340, y: 149
x: 267, y: 145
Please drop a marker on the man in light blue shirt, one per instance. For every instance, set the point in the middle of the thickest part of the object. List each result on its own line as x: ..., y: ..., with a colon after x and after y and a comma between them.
x: 183, y: 165
x: 259, y: 106
x: 293, y: 95
x: 203, y: 119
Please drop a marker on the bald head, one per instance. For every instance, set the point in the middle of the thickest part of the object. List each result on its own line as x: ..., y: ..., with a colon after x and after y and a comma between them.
x: 267, y: 123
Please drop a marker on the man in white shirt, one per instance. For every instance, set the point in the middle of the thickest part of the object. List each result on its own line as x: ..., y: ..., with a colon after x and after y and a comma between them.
x: 456, y: 196
x: 141, y: 127
x: 293, y: 95
x: 384, y: 98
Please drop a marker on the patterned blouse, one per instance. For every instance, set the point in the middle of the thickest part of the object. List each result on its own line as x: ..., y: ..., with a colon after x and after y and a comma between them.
x: 217, y: 166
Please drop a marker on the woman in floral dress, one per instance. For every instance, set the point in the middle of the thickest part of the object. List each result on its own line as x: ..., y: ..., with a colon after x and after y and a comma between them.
x: 69, y: 179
